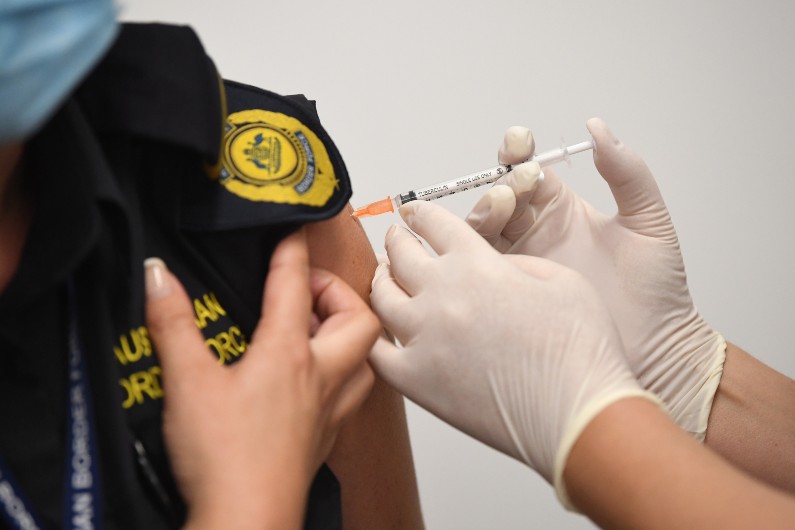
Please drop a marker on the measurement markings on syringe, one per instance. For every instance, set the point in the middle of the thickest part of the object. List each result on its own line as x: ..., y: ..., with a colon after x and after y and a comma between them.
x: 480, y: 176
x: 430, y: 191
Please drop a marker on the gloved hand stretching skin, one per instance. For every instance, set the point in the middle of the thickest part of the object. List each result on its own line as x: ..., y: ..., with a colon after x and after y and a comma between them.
x: 518, y: 352
x: 632, y: 258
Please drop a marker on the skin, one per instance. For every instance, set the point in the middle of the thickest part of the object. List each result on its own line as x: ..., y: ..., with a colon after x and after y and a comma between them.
x: 752, y: 421
x: 372, y: 457
x: 633, y: 467
x: 278, y: 410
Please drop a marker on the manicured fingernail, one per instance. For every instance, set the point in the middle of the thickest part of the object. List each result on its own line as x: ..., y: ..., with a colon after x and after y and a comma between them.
x: 157, y: 284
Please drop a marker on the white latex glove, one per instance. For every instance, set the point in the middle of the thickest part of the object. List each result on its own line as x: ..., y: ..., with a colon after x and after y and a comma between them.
x: 632, y: 258
x: 518, y: 352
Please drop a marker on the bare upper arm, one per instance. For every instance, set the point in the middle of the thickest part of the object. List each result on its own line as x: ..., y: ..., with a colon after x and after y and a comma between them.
x: 372, y: 457
x: 340, y: 245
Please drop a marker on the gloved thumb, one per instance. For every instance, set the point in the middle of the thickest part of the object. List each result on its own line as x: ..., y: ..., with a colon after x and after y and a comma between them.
x: 390, y: 363
x: 633, y: 186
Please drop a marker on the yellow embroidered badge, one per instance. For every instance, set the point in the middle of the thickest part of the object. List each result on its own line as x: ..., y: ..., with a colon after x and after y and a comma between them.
x: 271, y: 157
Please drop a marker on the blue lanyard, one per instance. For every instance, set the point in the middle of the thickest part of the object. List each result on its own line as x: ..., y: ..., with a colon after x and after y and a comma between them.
x: 82, y: 499
x: 14, y: 506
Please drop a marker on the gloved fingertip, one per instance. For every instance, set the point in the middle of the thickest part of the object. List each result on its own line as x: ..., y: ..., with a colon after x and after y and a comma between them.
x: 480, y: 211
x: 526, y: 177
x: 409, y: 210
x: 390, y: 233
x: 602, y: 136
x: 493, y: 212
x: 380, y: 272
x: 381, y: 352
x: 501, y: 196
x: 518, y: 144
x: 390, y: 364
x: 396, y: 233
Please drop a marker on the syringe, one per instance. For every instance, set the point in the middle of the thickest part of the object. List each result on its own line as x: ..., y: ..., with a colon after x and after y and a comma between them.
x: 467, y: 182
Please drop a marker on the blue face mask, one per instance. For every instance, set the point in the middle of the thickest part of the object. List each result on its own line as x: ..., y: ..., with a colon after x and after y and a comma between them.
x: 46, y: 48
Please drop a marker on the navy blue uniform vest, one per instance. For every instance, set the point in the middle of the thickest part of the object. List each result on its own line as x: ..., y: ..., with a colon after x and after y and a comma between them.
x: 155, y: 155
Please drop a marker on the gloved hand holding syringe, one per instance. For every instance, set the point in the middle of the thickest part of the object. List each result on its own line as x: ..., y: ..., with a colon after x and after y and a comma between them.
x: 467, y: 182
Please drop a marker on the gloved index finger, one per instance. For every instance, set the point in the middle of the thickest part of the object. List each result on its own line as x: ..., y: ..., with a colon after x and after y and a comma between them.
x: 517, y: 146
x: 442, y: 229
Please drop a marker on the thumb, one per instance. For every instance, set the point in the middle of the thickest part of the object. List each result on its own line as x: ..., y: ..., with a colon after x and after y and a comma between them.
x: 633, y: 186
x: 171, y: 323
x: 391, y: 364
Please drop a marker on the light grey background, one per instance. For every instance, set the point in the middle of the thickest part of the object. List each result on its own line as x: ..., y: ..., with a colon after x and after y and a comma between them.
x: 420, y: 91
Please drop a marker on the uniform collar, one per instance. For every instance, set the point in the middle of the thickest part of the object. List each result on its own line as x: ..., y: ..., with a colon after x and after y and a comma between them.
x: 157, y: 82
x: 67, y: 176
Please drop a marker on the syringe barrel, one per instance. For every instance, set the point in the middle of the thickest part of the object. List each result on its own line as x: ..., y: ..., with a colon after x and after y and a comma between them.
x: 487, y: 176
x: 467, y: 182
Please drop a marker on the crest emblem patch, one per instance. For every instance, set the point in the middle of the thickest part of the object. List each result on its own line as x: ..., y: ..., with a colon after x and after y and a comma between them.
x: 271, y: 157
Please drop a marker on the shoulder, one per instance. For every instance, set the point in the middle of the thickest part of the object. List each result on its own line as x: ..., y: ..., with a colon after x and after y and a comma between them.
x: 275, y: 155
x: 262, y: 158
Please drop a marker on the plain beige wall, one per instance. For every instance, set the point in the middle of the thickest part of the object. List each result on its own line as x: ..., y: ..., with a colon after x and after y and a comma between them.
x: 421, y: 91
